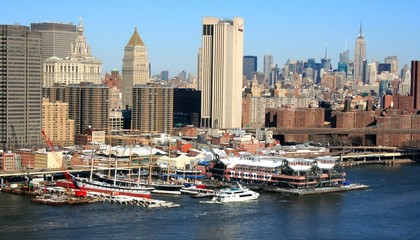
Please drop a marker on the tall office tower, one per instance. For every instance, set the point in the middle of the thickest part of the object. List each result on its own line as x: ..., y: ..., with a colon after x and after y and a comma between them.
x: 350, y: 69
x: 359, y: 56
x: 415, y: 83
x: 406, y: 74
x: 268, y: 61
x: 20, y: 86
x: 182, y: 76
x: 164, y: 75
x: 80, y: 66
x: 364, y: 71
x: 274, y: 76
x: 56, y: 38
x: 250, y: 66
x: 153, y: 108
x: 56, y: 122
x: 344, y: 57
x: 311, y: 64
x: 221, y: 72
x: 187, y: 104
x: 372, y: 72
x: 326, y: 62
x: 393, y: 60
x: 135, y: 68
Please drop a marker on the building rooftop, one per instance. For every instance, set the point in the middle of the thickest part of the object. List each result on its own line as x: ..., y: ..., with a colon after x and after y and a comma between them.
x: 135, y: 39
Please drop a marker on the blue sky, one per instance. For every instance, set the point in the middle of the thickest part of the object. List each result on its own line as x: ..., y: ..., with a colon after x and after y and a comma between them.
x: 286, y: 29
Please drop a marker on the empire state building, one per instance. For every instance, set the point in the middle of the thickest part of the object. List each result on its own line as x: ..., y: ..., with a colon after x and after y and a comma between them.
x: 359, y: 56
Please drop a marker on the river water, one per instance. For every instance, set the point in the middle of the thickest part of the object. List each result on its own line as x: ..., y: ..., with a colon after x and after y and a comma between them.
x: 389, y: 209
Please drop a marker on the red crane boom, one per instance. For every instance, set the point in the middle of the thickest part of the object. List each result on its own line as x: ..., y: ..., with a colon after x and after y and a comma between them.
x: 70, y: 182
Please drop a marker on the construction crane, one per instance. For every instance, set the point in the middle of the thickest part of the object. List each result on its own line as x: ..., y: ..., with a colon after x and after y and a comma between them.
x: 70, y: 182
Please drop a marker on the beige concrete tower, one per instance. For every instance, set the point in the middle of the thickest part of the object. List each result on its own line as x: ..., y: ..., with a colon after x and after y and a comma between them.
x: 135, y: 68
x: 359, y: 56
x: 56, y: 122
x: 221, y: 66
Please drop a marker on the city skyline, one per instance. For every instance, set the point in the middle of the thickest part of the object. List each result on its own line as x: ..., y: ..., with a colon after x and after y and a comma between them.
x: 172, y: 34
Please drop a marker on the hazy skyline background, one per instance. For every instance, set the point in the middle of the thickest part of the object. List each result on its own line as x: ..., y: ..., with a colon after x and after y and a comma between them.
x: 171, y: 30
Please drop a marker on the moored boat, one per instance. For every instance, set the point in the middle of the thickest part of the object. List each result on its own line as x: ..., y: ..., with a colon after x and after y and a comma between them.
x: 101, y: 187
x: 235, y: 194
x: 174, y: 189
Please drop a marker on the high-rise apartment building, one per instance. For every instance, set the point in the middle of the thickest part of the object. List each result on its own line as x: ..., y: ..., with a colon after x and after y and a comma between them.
x: 94, y: 106
x: 221, y: 71
x: 88, y: 104
x: 80, y: 66
x: 56, y: 122
x: 135, y: 68
x: 268, y: 62
x: 250, y: 66
x: 152, y: 108
x: 56, y: 38
x: 20, y: 86
x: 415, y: 83
x: 359, y: 56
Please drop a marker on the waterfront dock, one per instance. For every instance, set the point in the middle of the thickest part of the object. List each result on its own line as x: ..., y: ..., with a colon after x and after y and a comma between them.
x: 387, y: 162
x: 309, y: 191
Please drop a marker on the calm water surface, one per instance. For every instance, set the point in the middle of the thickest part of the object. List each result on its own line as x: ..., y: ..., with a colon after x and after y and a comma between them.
x: 389, y: 209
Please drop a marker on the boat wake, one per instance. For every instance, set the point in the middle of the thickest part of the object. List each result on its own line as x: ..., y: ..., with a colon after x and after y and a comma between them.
x: 210, y: 201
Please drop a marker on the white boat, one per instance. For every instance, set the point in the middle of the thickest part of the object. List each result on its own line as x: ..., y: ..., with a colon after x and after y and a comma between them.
x: 235, y: 194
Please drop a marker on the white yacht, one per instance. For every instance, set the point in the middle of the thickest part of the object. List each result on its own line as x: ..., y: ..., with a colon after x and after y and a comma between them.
x: 235, y: 194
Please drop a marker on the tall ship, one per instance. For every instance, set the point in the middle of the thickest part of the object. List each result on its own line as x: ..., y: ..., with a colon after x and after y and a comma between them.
x: 287, y: 172
x: 112, y: 189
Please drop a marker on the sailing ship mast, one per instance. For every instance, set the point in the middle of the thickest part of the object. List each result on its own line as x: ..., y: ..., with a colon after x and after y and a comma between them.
x: 150, y: 161
x: 169, y: 159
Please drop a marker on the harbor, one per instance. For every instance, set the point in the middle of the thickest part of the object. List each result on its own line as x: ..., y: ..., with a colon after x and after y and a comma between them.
x: 387, y: 209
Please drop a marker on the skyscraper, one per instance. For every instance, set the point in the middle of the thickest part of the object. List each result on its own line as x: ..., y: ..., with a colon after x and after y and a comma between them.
x: 153, y: 108
x: 268, y: 61
x: 250, y: 66
x: 359, y: 56
x: 326, y: 62
x: 344, y: 57
x: 56, y: 38
x: 415, y: 83
x: 393, y: 60
x: 221, y: 72
x: 20, y: 86
x: 88, y: 104
x: 79, y: 66
x: 135, y: 68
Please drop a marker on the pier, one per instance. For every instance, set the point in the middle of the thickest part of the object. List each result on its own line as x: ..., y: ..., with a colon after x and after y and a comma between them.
x: 310, y: 191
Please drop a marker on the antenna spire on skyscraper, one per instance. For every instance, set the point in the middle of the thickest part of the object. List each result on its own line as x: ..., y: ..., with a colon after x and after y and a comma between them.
x: 360, y: 31
x: 345, y: 44
x: 326, y: 51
